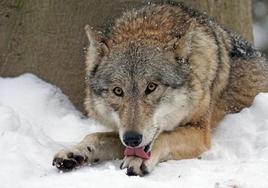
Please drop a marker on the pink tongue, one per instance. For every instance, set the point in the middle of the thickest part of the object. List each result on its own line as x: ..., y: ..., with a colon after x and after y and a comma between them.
x: 139, y: 152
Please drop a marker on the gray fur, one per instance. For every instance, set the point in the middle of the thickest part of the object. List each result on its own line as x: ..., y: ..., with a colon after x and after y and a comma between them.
x: 138, y: 62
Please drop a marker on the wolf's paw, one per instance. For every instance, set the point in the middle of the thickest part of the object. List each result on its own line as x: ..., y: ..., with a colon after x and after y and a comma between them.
x: 136, y: 166
x: 66, y: 160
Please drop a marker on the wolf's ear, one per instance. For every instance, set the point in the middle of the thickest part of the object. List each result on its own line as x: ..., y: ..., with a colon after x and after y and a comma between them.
x: 182, y: 45
x: 97, y: 48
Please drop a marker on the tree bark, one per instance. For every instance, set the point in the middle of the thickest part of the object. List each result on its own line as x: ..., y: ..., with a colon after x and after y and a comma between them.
x: 235, y: 15
x: 46, y: 37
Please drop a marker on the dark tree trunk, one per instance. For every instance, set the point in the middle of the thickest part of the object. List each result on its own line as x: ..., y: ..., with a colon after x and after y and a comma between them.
x: 46, y: 37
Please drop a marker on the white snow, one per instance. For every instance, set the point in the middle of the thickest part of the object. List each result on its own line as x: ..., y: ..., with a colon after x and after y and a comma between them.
x: 36, y: 120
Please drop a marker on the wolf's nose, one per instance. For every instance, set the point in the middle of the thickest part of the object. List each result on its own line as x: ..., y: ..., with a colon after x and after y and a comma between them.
x: 132, y: 138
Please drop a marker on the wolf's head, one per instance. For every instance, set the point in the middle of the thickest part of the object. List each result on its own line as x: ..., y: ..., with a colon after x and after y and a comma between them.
x: 141, y: 84
x: 139, y: 87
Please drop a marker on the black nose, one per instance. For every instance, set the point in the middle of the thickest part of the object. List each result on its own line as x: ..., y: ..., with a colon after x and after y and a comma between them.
x: 132, y: 138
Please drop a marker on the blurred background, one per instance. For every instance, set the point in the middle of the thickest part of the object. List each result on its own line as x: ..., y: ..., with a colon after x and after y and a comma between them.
x: 260, y: 24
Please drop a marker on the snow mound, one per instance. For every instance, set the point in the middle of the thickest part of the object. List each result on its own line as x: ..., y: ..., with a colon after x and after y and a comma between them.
x: 37, y: 119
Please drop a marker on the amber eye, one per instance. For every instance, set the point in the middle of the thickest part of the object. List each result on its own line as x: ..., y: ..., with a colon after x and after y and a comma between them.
x: 118, y: 91
x: 150, y: 88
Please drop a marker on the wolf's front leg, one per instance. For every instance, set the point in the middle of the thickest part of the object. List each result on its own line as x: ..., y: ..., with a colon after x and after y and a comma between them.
x: 93, y: 148
x: 181, y: 143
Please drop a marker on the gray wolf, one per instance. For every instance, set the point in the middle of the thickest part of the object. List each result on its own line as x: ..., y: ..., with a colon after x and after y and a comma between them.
x: 163, y: 77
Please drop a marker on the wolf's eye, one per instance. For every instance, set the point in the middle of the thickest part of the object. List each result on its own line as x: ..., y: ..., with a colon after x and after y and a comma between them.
x: 150, y: 88
x: 118, y: 91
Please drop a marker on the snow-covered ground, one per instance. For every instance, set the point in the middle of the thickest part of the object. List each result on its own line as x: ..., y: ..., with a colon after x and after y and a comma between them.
x: 36, y: 120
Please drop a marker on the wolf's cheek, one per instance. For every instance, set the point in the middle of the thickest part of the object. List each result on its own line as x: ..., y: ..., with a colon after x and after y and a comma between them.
x: 170, y: 113
x: 115, y: 118
x: 105, y: 114
x: 150, y: 133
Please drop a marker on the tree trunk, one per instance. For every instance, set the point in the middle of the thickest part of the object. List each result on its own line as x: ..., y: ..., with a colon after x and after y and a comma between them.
x: 236, y: 15
x: 46, y: 37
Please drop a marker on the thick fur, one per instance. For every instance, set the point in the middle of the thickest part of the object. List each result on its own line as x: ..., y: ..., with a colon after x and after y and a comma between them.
x: 202, y: 72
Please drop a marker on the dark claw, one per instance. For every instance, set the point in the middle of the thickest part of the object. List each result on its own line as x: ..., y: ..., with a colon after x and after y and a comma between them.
x: 121, y: 165
x: 57, y: 161
x: 144, y: 169
x: 130, y: 171
x: 79, y: 159
x: 54, y: 162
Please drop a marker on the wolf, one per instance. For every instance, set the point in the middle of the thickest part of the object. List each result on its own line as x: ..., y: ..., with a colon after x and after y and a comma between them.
x: 162, y: 77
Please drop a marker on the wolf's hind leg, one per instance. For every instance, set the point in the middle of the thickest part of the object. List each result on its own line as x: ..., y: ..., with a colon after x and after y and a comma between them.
x: 92, y: 149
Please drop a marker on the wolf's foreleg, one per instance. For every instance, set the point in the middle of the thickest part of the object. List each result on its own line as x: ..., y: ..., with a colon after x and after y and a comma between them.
x: 181, y: 143
x: 93, y: 148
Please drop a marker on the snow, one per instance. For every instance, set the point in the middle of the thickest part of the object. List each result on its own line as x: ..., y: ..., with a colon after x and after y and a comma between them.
x: 37, y: 119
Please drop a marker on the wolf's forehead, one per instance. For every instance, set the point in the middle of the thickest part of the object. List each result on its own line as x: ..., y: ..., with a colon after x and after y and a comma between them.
x: 147, y: 64
x: 136, y: 55
x: 137, y: 63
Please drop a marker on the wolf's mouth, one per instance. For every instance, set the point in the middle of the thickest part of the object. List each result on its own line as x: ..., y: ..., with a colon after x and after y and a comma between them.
x: 141, y: 152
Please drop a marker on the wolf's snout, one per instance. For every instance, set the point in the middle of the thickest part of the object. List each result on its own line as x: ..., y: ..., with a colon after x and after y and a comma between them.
x: 132, y: 138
